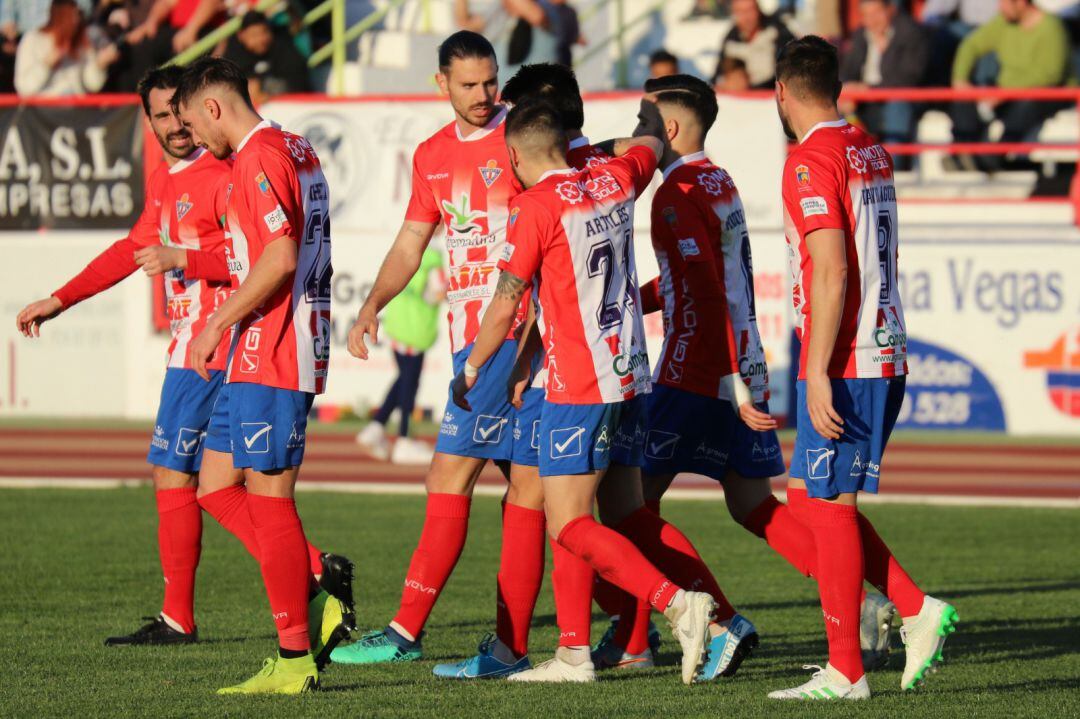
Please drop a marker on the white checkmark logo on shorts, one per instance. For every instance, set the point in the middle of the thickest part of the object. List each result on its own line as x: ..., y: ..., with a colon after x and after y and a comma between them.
x: 262, y: 433
x: 661, y: 445
x: 488, y: 429
x: 566, y: 442
x: 561, y: 446
x: 814, y: 460
x: 187, y: 441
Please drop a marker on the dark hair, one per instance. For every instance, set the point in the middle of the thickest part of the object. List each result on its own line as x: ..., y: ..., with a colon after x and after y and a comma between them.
x: 540, y: 121
x: 732, y: 64
x: 810, y: 69
x: 663, y: 55
x: 688, y: 92
x: 158, y: 78
x: 253, y: 17
x: 551, y: 83
x: 207, y: 72
x: 461, y: 45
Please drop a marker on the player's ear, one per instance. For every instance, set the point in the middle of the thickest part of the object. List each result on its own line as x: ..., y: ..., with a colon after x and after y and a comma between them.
x: 781, y: 91
x: 443, y: 82
x: 213, y: 108
x: 671, y: 129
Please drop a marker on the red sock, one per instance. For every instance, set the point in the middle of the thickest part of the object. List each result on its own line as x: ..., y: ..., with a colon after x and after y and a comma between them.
x: 840, y: 578
x: 572, y: 583
x: 672, y: 552
x: 885, y: 573
x: 775, y: 522
x: 440, y: 545
x: 284, y: 565
x: 632, y: 631
x: 314, y: 560
x: 229, y: 507
x: 179, y: 544
x: 521, y: 572
x: 617, y: 559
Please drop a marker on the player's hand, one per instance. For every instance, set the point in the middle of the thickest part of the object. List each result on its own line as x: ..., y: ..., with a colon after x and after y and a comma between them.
x: 30, y: 319
x: 202, y: 349
x: 755, y: 419
x: 366, y: 325
x: 160, y: 259
x: 819, y: 405
x: 650, y: 122
x: 518, y: 382
x: 459, y: 388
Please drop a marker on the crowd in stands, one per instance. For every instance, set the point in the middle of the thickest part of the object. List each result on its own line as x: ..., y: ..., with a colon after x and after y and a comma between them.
x: 69, y: 47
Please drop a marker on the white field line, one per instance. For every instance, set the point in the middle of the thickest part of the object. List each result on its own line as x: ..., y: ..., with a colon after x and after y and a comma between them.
x: 953, y: 500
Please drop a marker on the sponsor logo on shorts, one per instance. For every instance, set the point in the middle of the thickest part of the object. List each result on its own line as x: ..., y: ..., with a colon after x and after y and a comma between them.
x: 661, y: 445
x: 188, y: 441
x: 488, y: 429
x: 819, y: 463
x: 710, y: 454
x: 603, y: 442
x: 760, y: 453
x: 566, y: 442
x: 867, y: 468
x: 159, y: 440
x: 534, y: 441
x: 296, y: 438
x: 256, y: 437
x: 448, y: 426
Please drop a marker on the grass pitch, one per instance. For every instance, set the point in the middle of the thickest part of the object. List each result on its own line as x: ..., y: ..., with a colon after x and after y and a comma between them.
x: 78, y: 565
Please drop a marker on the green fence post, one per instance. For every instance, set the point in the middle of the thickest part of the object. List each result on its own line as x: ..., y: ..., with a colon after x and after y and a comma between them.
x: 622, y: 74
x: 337, y: 37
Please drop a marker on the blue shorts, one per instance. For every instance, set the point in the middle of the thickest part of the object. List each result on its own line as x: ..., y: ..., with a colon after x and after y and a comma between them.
x: 690, y: 432
x: 264, y: 428
x: 526, y: 449
x: 869, y: 408
x: 183, y: 415
x: 587, y: 438
x: 486, y: 431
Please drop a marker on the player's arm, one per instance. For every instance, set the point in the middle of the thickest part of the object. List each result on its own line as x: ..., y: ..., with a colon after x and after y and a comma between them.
x: 650, y: 296
x: 529, y: 344
x: 104, y: 271
x: 401, y: 263
x: 827, y: 252
x: 650, y: 131
x: 275, y: 265
x: 498, y: 319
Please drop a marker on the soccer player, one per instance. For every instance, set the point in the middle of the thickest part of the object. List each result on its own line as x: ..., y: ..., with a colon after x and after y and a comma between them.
x: 179, y: 234
x: 571, y: 233
x: 462, y: 178
x: 842, y: 233
x: 277, y: 215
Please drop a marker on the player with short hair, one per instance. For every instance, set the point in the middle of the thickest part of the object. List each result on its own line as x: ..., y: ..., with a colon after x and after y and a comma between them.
x: 278, y: 249
x: 179, y: 235
x: 840, y: 220
x: 571, y: 233
x: 462, y: 178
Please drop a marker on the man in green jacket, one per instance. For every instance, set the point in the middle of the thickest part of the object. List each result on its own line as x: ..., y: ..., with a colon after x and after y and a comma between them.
x: 1032, y: 50
x: 411, y: 321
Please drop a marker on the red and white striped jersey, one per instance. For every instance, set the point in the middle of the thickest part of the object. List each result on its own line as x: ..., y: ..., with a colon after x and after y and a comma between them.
x: 278, y: 190
x: 466, y: 183
x: 575, y: 230
x: 698, y: 217
x: 839, y: 178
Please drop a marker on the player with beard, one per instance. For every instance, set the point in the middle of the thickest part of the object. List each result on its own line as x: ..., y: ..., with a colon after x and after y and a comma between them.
x: 179, y: 235
x: 462, y: 179
x: 278, y: 245
x: 840, y: 222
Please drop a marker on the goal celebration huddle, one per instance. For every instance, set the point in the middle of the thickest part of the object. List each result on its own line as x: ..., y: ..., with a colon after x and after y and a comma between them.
x: 553, y: 382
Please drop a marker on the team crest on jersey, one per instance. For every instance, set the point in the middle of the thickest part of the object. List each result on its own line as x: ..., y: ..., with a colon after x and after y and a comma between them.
x: 802, y: 175
x: 490, y: 173
x: 263, y: 183
x: 183, y: 206
x: 513, y: 216
x: 571, y: 192
x: 669, y: 216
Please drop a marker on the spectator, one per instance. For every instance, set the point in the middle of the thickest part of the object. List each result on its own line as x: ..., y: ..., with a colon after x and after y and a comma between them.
x: 1032, y: 50
x: 27, y: 15
x: 949, y: 22
x: 755, y: 39
x: 269, y: 58
x: 889, y: 50
x: 172, y: 26
x: 734, y: 77
x: 65, y: 57
x: 9, y: 42
x: 662, y: 64
x: 545, y: 31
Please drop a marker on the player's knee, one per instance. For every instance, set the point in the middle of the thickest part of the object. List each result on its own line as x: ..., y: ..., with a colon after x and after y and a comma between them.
x: 450, y: 474
x: 743, y: 495
x: 165, y: 478
x: 526, y: 489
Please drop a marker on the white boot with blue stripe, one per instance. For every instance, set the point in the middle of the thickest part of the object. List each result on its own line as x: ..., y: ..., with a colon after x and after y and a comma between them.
x: 493, y: 660
x: 729, y: 648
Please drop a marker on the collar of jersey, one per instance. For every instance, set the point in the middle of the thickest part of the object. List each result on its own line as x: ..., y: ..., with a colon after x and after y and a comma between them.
x: 188, y: 161
x: 579, y: 142
x: 484, y: 131
x: 261, y: 126
x: 831, y: 123
x: 552, y: 173
x: 684, y: 160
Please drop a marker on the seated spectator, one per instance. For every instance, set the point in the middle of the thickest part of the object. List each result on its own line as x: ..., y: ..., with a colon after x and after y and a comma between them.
x: 889, y: 50
x: 544, y: 31
x: 949, y: 22
x: 755, y: 39
x: 27, y: 15
x: 734, y: 77
x: 65, y: 57
x: 9, y: 43
x: 662, y: 64
x: 269, y: 58
x: 1032, y: 50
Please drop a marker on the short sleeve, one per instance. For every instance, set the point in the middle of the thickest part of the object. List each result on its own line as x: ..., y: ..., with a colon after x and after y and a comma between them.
x: 679, y: 227
x: 812, y: 190
x: 275, y: 202
x: 422, y: 206
x: 526, y: 232
x: 639, y: 163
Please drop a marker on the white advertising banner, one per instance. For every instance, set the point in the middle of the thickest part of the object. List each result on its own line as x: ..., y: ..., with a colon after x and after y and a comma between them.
x: 994, y: 325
